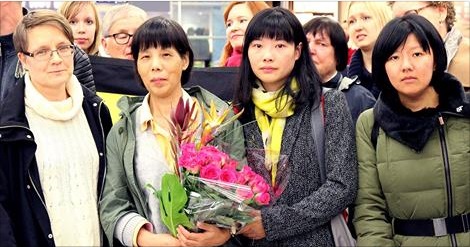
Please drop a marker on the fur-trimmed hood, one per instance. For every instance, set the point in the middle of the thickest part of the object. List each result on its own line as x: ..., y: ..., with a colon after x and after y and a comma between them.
x: 413, y: 129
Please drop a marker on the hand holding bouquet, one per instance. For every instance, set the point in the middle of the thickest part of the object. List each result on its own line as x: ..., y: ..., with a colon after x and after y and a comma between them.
x: 207, y: 185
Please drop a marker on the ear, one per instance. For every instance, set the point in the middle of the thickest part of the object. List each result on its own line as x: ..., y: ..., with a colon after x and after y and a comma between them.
x: 185, y: 59
x: 104, y: 44
x: 22, y: 59
x: 298, y: 51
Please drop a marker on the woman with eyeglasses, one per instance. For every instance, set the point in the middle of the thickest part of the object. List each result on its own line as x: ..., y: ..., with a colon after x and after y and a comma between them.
x: 52, y: 132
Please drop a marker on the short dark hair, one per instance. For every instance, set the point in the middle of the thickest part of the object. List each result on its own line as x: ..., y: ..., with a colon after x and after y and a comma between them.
x: 393, y: 35
x: 165, y: 33
x: 325, y: 25
x: 280, y: 24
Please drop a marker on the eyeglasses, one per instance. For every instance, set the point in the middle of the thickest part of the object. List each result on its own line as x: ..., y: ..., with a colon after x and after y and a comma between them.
x: 416, y: 11
x: 121, y: 38
x: 45, y: 54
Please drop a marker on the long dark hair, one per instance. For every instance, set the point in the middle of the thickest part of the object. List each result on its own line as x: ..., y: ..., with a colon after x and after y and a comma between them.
x: 280, y: 24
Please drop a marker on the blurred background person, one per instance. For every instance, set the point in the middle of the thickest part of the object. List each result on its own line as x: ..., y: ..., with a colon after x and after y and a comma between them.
x: 52, y: 146
x: 365, y: 20
x: 119, y: 25
x: 278, y: 87
x: 329, y: 51
x: 11, y: 14
x: 414, y: 182
x: 442, y: 15
x: 237, y: 15
x: 84, y: 20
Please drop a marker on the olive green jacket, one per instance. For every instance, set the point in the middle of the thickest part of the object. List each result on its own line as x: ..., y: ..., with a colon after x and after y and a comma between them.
x: 121, y: 193
x: 418, y: 169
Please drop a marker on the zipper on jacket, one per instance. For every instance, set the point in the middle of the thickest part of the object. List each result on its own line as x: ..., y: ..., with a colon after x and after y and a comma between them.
x: 37, y: 192
x: 104, y: 152
x: 445, y: 157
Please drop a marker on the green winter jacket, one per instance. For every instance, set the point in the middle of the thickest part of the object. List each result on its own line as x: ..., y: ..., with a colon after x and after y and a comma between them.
x: 121, y: 193
x: 406, y: 178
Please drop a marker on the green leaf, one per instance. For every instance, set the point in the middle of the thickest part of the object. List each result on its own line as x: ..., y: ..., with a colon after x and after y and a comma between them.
x: 173, y: 199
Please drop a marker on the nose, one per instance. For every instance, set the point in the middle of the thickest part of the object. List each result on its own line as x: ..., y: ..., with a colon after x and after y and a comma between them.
x: 80, y: 27
x: 267, y: 55
x: 235, y: 26
x: 156, y: 64
x: 55, y: 57
x: 312, y: 48
x: 406, y: 64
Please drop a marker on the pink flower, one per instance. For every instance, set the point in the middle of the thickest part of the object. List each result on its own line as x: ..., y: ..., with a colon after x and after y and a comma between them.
x: 246, y: 175
x: 244, y: 193
x: 210, y: 172
x: 229, y: 175
x: 230, y: 163
x: 259, y: 186
x: 262, y: 198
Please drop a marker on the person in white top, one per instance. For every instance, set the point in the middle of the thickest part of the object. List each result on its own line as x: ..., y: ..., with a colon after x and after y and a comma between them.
x: 52, y: 133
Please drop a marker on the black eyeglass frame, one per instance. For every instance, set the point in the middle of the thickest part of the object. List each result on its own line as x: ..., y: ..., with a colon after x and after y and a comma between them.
x: 35, y: 56
x: 128, y: 37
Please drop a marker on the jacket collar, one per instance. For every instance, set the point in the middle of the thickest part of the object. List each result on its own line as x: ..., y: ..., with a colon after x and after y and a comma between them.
x: 413, y: 129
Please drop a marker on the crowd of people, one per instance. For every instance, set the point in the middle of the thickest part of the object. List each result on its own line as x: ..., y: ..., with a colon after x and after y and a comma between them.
x: 396, y: 120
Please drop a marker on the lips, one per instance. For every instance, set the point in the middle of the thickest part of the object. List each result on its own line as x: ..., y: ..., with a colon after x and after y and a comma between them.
x: 157, y: 80
x: 56, y: 71
x: 81, y: 40
x: 267, y: 69
x: 360, y: 37
x: 408, y: 79
x: 236, y: 36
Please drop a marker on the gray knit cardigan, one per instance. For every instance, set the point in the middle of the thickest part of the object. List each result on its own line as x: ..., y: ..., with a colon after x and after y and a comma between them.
x: 301, y: 215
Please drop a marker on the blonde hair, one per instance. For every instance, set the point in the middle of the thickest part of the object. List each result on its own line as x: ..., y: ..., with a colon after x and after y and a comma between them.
x: 38, y: 18
x: 380, y: 12
x: 71, y: 9
x: 255, y: 7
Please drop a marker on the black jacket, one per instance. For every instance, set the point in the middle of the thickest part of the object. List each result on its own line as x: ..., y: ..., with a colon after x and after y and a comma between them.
x: 358, y: 97
x: 23, y: 197
x: 356, y: 68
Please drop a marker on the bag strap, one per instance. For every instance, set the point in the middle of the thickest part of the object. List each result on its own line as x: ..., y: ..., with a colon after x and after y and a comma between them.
x: 318, y: 133
x: 374, y: 134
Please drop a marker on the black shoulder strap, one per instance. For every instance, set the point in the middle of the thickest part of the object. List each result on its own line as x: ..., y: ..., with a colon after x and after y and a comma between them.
x: 374, y: 134
x: 318, y: 134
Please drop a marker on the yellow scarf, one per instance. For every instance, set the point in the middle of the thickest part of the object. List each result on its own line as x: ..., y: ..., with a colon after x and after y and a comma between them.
x: 272, y: 130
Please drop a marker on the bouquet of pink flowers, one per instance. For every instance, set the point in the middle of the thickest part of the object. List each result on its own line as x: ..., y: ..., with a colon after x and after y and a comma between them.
x: 207, y: 185
x: 219, y: 193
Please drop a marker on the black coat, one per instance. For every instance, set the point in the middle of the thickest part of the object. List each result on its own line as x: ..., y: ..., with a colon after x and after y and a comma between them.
x: 23, y: 197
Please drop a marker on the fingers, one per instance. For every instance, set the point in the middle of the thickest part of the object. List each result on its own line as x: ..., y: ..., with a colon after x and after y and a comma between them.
x: 185, y: 237
x: 205, y: 226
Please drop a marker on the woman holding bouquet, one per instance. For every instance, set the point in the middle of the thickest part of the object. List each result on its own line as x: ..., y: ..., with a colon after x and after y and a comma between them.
x: 138, y: 145
x: 278, y: 87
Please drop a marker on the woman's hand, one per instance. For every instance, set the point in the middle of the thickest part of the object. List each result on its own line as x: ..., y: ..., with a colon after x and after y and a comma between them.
x: 255, y: 229
x: 147, y: 238
x: 212, y: 235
